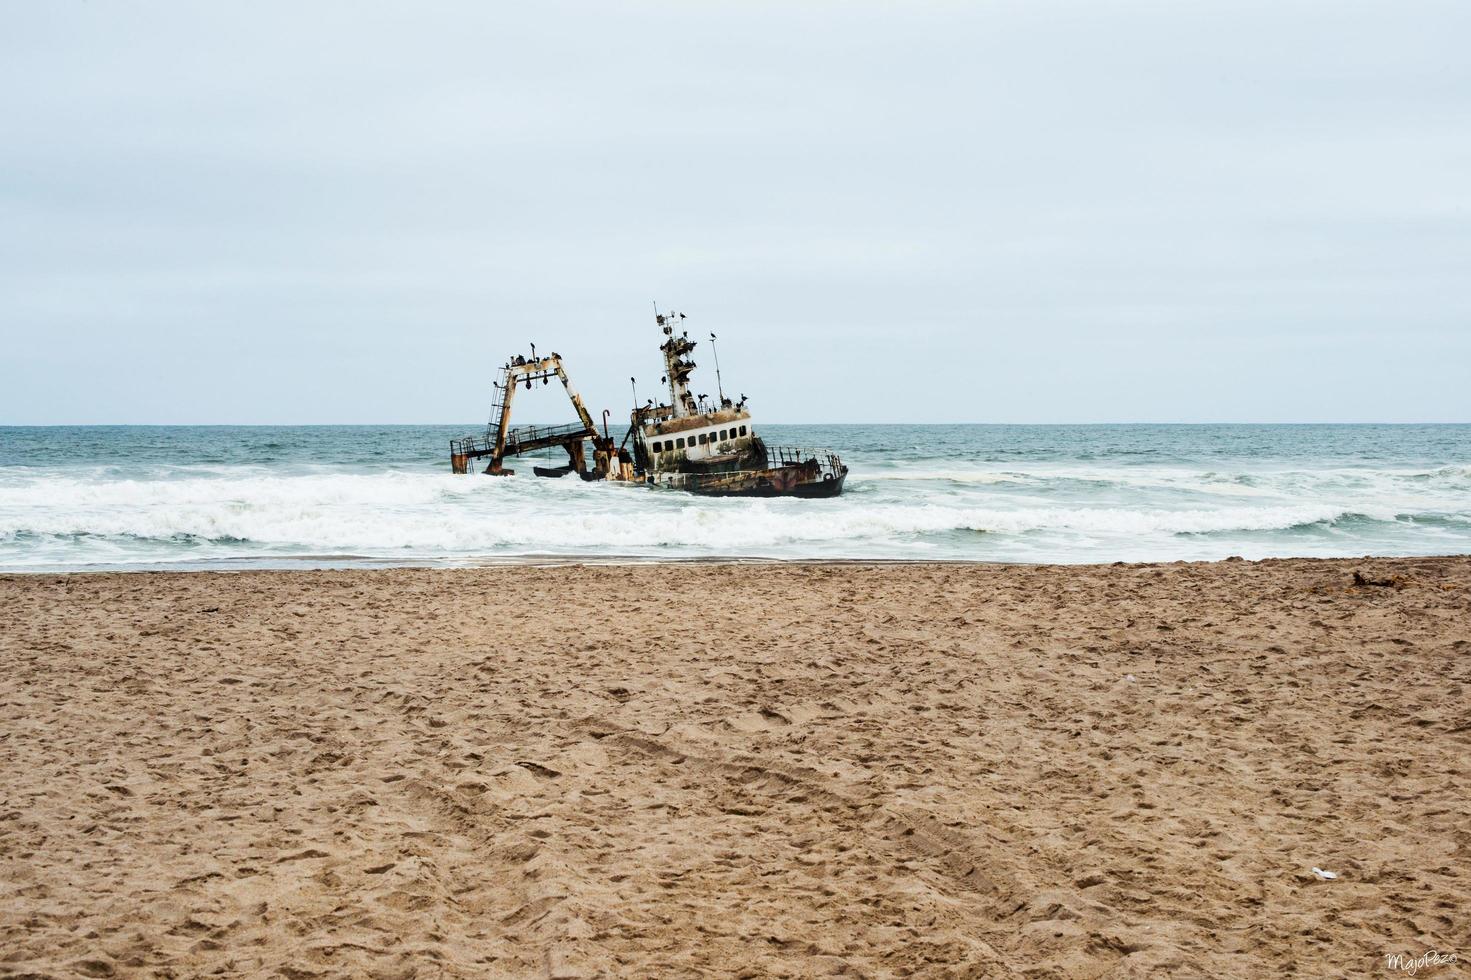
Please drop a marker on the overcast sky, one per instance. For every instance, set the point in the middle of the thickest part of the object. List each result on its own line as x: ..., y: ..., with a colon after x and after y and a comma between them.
x: 909, y: 212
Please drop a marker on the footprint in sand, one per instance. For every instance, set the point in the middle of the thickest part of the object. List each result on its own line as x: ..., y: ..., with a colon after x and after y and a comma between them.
x: 757, y: 721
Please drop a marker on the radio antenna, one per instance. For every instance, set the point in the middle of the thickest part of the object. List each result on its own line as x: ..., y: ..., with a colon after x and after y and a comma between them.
x: 718, y: 387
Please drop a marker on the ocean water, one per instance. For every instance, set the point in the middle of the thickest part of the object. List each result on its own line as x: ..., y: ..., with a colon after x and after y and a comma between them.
x: 77, y: 498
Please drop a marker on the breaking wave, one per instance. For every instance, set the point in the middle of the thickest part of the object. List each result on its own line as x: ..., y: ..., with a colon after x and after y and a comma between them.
x: 158, y: 512
x: 419, y: 515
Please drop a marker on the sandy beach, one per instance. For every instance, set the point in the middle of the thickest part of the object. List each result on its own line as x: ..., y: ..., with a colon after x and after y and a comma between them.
x: 737, y: 770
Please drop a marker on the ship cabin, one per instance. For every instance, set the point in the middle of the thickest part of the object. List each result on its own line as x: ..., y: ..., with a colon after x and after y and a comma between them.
x: 702, y: 441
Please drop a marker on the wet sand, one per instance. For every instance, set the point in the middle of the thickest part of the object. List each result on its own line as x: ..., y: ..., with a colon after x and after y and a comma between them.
x: 746, y: 770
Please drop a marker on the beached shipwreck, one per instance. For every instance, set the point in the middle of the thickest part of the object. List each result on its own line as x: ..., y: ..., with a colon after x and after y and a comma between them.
x: 691, y: 443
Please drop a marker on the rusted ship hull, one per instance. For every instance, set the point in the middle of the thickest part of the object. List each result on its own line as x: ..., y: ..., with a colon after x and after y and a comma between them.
x: 799, y: 473
x: 763, y: 487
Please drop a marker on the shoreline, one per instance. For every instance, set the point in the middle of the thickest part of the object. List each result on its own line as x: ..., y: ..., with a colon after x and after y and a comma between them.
x: 703, y: 768
x: 627, y: 561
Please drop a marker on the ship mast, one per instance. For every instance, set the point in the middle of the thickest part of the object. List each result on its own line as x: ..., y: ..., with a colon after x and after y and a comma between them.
x: 677, y: 365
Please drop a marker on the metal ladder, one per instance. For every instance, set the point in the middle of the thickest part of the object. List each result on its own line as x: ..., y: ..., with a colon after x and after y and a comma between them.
x: 498, y: 402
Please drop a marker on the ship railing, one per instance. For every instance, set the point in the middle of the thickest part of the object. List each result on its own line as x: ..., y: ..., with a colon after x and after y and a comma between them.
x: 522, y: 435
x: 472, y: 446
x: 828, y: 462
x: 540, y: 434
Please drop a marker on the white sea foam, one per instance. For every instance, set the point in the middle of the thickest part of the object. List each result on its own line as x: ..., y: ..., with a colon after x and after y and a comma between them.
x: 383, y: 513
x: 1248, y: 482
x: 1054, y: 510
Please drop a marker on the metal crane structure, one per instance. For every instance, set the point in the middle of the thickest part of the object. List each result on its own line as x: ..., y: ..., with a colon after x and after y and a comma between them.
x: 500, y: 440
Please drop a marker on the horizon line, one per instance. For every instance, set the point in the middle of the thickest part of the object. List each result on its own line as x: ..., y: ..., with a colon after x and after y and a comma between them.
x: 849, y: 424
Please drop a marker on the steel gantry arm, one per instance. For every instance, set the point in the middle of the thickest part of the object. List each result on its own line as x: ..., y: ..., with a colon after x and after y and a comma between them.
x: 522, y: 371
x: 582, y: 412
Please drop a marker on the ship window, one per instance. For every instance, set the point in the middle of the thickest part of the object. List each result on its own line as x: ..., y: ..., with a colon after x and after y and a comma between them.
x: 743, y: 430
x: 658, y: 447
x: 679, y: 442
x: 704, y: 438
x: 724, y: 435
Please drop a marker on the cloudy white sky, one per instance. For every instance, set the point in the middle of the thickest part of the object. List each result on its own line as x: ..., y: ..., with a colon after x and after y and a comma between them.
x: 1006, y: 211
